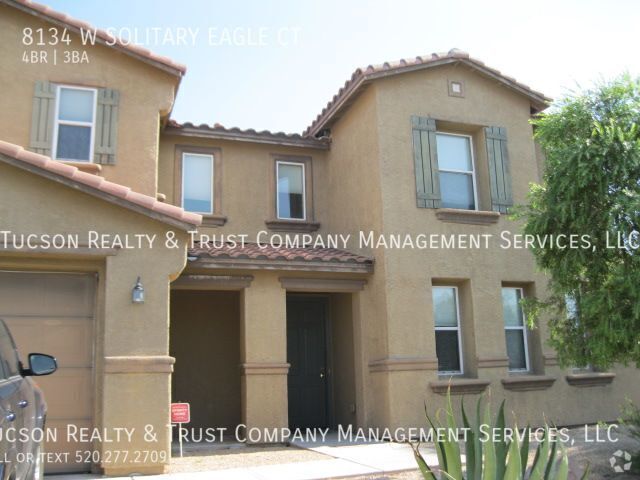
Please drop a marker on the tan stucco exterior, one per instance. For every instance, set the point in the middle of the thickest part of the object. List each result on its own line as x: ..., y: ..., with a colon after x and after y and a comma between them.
x: 146, y: 95
x: 226, y: 325
x: 126, y: 333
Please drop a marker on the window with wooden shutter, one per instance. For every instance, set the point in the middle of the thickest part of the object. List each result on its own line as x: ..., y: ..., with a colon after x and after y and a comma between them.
x: 42, y: 118
x: 106, y: 127
x: 426, y: 162
x: 499, y: 171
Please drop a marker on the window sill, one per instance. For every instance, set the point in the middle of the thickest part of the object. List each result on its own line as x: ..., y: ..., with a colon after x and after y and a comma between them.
x: 213, y: 220
x: 85, y: 166
x: 526, y: 383
x: 473, y: 217
x: 591, y: 379
x: 461, y: 386
x: 292, y: 225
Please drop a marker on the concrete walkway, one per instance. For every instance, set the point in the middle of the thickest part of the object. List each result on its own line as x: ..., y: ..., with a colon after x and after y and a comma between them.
x: 342, y: 461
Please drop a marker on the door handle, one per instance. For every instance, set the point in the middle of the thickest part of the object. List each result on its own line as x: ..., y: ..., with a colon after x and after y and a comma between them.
x: 10, y: 416
x: 23, y: 403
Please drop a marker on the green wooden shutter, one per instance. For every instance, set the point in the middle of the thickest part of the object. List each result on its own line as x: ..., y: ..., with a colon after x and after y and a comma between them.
x: 42, y: 118
x: 106, y: 136
x: 426, y: 162
x: 499, y: 172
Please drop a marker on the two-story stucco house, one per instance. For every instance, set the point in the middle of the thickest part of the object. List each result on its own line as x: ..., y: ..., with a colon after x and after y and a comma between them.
x: 253, y: 333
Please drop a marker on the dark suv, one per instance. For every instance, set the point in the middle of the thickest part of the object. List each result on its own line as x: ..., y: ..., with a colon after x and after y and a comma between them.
x: 22, y: 411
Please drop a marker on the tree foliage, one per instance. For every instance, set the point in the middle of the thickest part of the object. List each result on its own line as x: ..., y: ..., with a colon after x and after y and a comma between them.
x: 591, y: 186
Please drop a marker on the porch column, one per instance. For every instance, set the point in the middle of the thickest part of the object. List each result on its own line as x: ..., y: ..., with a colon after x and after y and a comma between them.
x: 263, y: 353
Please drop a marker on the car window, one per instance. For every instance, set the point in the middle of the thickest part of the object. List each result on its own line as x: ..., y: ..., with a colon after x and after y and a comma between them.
x: 8, y: 354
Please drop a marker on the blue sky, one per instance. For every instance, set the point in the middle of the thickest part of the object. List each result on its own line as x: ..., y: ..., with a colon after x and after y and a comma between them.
x: 288, y: 58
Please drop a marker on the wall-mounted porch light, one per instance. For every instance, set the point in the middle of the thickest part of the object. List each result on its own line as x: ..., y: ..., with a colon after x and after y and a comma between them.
x: 137, y: 294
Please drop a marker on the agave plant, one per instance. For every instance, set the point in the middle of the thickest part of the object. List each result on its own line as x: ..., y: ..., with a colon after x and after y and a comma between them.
x: 492, y: 460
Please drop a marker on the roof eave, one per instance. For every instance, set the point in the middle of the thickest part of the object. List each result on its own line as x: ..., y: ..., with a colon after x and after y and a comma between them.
x: 280, y: 265
x: 178, y: 72
x: 61, y: 179
x: 538, y: 101
x: 196, y: 132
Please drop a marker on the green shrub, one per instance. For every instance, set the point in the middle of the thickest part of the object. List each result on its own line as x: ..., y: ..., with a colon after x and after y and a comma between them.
x: 631, y: 419
x: 499, y: 460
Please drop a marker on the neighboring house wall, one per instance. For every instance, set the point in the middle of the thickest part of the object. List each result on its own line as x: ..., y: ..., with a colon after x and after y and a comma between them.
x: 145, y: 93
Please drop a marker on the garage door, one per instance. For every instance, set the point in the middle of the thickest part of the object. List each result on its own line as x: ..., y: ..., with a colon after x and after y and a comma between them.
x: 54, y: 313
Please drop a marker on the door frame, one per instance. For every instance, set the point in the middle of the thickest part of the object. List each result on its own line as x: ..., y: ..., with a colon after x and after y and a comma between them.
x: 328, y: 347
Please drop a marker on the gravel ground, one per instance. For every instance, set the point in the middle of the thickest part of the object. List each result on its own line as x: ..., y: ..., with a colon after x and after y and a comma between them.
x: 199, y: 459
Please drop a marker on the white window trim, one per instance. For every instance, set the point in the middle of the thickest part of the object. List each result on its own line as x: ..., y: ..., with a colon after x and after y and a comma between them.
x: 57, y: 122
x: 471, y: 172
x: 210, y: 156
x: 523, y: 328
x: 304, y: 191
x: 456, y: 328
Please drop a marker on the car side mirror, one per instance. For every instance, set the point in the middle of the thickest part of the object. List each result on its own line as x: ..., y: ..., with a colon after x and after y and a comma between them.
x: 41, y: 364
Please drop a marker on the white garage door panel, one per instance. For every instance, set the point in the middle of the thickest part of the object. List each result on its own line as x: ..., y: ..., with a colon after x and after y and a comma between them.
x: 53, y: 313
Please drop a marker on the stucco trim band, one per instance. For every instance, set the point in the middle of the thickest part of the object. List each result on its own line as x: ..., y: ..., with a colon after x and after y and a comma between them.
x: 492, y: 362
x: 461, y: 386
x: 392, y: 364
x: 212, y: 282
x: 292, y: 225
x: 333, y: 285
x: 264, y: 368
x: 471, y: 217
x: 527, y: 383
x: 591, y: 379
x: 139, y: 364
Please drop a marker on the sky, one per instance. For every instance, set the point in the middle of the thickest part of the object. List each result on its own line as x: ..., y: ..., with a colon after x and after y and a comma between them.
x: 275, y: 64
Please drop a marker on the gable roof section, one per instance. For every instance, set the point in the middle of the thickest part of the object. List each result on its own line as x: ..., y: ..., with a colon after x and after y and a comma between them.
x: 102, y: 37
x: 97, y: 186
x: 363, y: 76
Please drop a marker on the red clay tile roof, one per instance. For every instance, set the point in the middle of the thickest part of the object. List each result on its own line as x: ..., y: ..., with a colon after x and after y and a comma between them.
x: 102, y: 36
x: 99, y: 184
x: 253, y: 251
x: 250, y: 135
x: 363, y: 76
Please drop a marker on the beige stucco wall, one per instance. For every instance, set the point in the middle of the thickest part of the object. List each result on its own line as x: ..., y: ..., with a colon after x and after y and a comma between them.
x: 145, y: 93
x: 248, y: 195
x: 130, y: 391
x: 403, y: 322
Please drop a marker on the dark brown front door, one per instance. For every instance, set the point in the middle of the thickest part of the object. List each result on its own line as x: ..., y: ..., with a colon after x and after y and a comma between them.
x: 307, y: 354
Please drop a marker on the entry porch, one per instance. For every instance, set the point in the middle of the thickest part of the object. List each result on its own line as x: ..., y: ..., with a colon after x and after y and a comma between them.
x: 265, y: 345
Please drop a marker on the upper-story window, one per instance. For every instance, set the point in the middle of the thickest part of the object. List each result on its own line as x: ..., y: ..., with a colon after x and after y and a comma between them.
x: 515, y: 329
x: 446, y: 314
x: 74, y: 128
x: 197, y: 182
x: 456, y: 171
x: 290, y: 195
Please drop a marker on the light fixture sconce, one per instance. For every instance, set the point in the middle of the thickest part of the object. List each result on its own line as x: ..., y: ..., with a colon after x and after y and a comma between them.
x: 137, y: 294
